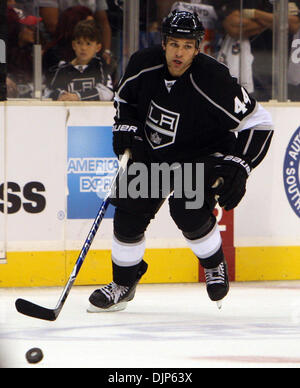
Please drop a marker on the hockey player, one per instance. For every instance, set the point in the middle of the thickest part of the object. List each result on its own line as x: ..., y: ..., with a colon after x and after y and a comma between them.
x: 175, y: 104
x: 86, y: 77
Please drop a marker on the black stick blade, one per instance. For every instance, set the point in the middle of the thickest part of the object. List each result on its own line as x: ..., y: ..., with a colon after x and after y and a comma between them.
x: 33, y: 310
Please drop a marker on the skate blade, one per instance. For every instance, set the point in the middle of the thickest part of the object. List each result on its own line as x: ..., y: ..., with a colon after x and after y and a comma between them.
x: 219, y: 304
x: 117, y: 307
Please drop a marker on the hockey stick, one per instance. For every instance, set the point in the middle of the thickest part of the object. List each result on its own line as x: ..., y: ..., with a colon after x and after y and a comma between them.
x: 33, y: 310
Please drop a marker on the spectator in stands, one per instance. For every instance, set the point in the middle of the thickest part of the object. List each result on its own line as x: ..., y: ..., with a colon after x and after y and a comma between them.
x: 60, y: 48
x: 51, y: 9
x: 21, y: 38
x: 85, y: 78
x: 257, y: 24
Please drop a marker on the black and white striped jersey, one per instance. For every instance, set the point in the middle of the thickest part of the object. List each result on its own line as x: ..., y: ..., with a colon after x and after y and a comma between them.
x: 202, y: 112
x: 90, y: 82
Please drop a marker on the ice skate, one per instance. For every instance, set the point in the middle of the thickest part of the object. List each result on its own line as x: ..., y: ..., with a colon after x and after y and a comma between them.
x: 217, y: 283
x: 114, y: 297
x: 111, y: 297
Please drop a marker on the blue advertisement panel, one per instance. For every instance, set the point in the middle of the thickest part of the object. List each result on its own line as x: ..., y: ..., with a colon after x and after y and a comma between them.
x: 92, y: 165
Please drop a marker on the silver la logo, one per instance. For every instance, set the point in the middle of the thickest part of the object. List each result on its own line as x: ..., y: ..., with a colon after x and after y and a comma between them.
x: 291, y: 172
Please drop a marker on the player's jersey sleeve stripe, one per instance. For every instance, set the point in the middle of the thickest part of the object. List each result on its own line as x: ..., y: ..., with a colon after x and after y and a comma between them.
x: 262, y: 148
x: 138, y: 74
x: 213, y: 102
x: 257, y: 126
x: 248, y: 141
x: 119, y: 100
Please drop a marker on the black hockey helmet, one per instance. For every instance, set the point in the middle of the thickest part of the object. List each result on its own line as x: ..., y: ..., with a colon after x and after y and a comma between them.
x: 182, y: 24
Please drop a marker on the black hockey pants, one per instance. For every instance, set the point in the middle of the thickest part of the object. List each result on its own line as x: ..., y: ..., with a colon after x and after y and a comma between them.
x: 133, y: 215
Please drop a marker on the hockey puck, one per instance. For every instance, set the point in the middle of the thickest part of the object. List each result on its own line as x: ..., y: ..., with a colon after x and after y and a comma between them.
x: 34, y: 355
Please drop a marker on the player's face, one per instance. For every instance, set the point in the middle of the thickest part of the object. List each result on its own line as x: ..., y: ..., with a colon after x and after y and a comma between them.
x: 179, y: 54
x: 85, y: 50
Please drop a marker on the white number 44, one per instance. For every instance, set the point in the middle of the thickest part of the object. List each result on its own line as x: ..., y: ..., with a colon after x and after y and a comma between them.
x: 240, y: 106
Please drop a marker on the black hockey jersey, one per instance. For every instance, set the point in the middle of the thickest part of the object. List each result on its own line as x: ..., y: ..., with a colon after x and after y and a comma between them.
x: 193, y: 116
x: 90, y: 82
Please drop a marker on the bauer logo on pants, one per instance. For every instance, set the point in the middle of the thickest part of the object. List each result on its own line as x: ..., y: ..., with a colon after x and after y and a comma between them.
x: 291, y: 172
x: 92, y: 165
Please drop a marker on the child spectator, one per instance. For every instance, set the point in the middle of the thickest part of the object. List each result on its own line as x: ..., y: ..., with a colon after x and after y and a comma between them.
x: 60, y: 48
x: 85, y: 78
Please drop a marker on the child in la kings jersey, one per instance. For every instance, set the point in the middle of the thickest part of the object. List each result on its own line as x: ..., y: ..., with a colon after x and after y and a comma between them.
x: 86, y: 77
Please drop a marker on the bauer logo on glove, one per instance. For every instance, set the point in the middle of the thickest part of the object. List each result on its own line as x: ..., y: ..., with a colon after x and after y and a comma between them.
x: 233, y: 172
x: 124, y: 128
x: 236, y: 159
x: 128, y: 135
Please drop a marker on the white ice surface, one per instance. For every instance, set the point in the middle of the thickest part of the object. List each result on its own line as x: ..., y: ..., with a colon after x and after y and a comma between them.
x: 165, y: 326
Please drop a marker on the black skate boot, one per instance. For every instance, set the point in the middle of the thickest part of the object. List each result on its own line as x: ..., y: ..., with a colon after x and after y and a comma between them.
x: 217, y: 284
x: 114, y: 297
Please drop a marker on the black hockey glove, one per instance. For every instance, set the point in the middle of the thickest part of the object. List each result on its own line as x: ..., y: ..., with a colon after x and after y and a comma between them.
x: 234, y: 172
x: 128, y: 136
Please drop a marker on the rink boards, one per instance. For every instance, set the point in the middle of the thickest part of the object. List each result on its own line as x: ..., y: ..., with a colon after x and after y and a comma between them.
x: 55, y: 156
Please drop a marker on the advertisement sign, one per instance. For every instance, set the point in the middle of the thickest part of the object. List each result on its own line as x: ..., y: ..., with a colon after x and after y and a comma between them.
x: 92, y: 165
x: 34, y: 167
x: 291, y: 172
